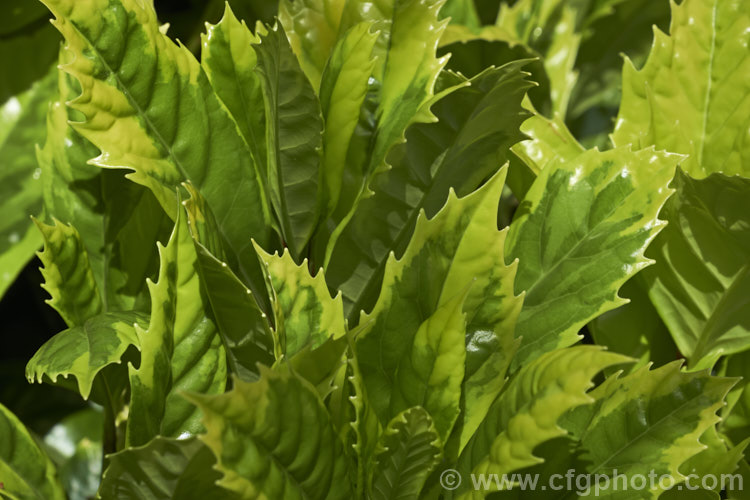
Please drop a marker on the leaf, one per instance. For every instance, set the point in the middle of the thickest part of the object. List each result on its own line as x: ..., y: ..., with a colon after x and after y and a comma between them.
x: 549, y: 27
x: 229, y: 63
x: 160, y: 100
x: 409, y: 72
x: 25, y: 469
x: 274, y: 439
x: 25, y: 36
x: 78, y: 439
x: 476, y: 126
x: 648, y: 422
x: 693, y: 94
x: 406, y: 69
x: 306, y: 313
x: 85, y: 350
x: 245, y: 333
x: 472, y: 53
x: 736, y: 414
x: 180, y: 351
x: 462, y: 12
x: 68, y: 276
x: 343, y: 90
x: 718, y: 459
x: 163, y: 469
x: 312, y: 27
x: 548, y: 140
x: 418, y: 326
x: 430, y: 372
x: 294, y: 130
x: 408, y: 450
x: 599, y: 59
x: 528, y: 411
x: 22, y: 125
x: 579, y: 234
x: 701, y: 283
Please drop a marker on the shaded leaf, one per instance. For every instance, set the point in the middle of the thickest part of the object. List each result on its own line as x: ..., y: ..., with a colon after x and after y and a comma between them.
x: 294, y: 128
x: 22, y: 126
x: 163, y: 469
x: 25, y: 470
x: 701, y: 283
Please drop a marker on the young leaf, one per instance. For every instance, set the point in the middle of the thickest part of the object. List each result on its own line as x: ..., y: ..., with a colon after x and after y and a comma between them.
x: 649, y: 422
x: 548, y: 26
x: 408, y: 451
x: 693, y: 94
x: 471, y: 53
x: 343, y: 90
x: 306, y: 313
x: 294, y: 128
x: 86, y: 349
x: 26, y: 471
x: 409, y: 72
x: 701, y: 283
x: 180, y: 351
x: 548, y: 140
x: 22, y: 125
x: 406, y: 69
x: 313, y: 29
x: 599, y: 60
x: 149, y: 107
x: 274, y: 439
x: 247, y: 337
x: 229, y: 62
x: 579, y: 234
x: 163, y: 469
x: 527, y: 413
x: 477, y: 124
x: 68, y: 277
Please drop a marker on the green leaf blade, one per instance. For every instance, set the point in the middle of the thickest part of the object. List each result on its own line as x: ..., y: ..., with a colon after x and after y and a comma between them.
x: 26, y: 470
x: 579, y: 234
x: 274, y: 439
x: 85, y: 350
x: 294, y: 128
x: 700, y: 284
x: 527, y: 413
x: 180, y: 351
x: 693, y: 95
x: 408, y: 451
